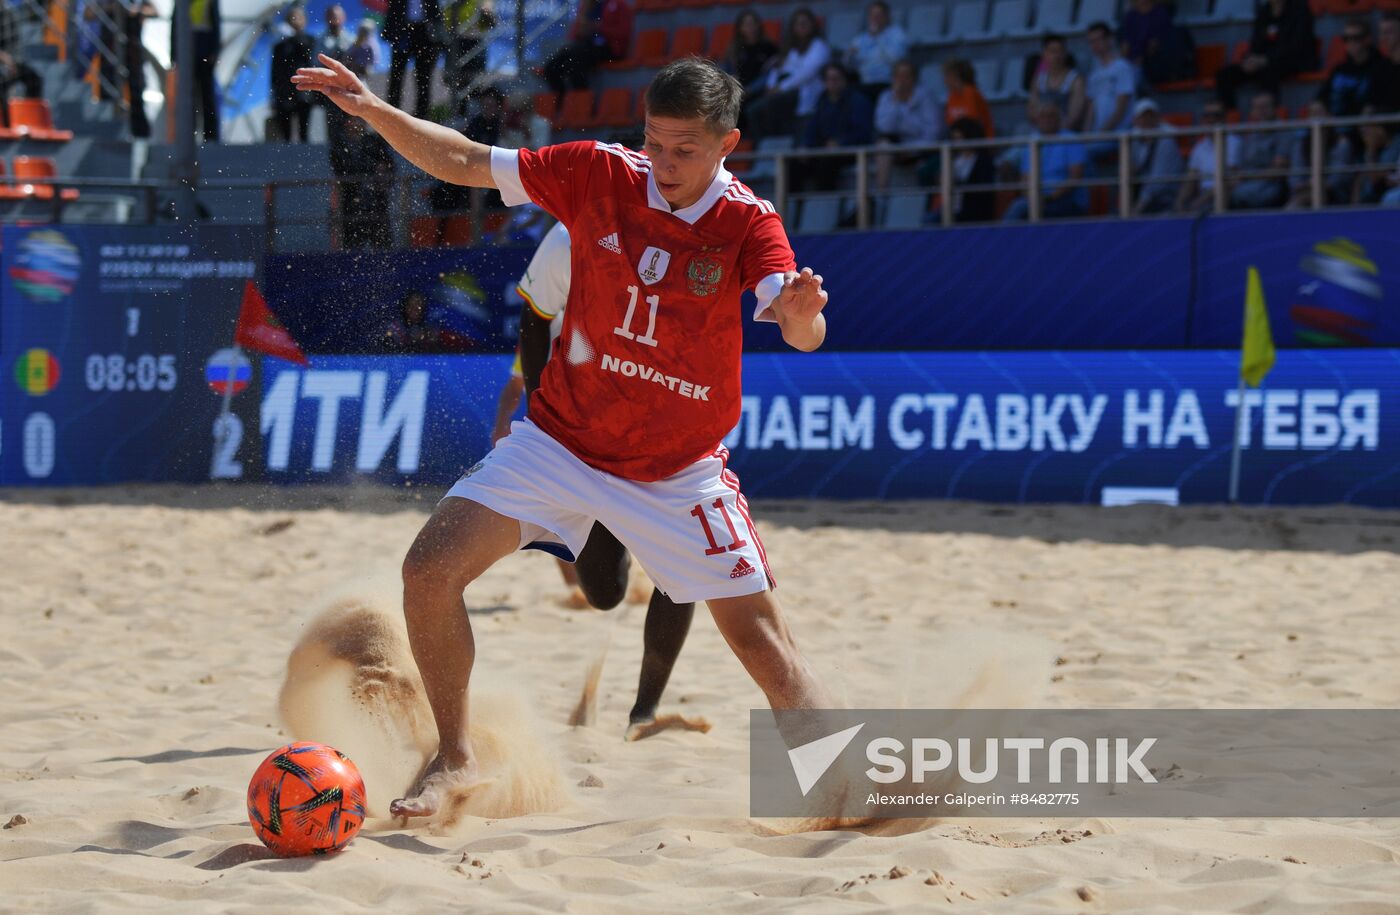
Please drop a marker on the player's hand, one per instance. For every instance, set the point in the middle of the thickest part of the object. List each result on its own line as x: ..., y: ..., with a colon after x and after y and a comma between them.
x: 802, y: 297
x: 337, y: 83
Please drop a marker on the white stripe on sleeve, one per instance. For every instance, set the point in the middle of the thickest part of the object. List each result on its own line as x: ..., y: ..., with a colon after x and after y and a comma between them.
x: 505, y: 171
x: 767, y: 290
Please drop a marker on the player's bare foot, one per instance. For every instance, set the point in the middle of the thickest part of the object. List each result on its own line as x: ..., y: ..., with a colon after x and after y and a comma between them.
x: 576, y: 600
x: 439, y: 780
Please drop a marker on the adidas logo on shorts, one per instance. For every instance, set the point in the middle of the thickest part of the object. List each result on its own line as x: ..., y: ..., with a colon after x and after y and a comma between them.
x: 611, y: 243
x: 742, y: 568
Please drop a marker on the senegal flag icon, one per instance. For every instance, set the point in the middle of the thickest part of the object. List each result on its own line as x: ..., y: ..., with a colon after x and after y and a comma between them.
x: 36, y: 372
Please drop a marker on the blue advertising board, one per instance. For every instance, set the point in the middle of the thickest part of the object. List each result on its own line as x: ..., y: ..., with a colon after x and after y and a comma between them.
x: 1330, y: 279
x: 1007, y: 427
x: 107, y: 338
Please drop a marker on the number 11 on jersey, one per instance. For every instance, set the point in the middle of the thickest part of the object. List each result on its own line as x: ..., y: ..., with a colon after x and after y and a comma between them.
x: 625, y: 330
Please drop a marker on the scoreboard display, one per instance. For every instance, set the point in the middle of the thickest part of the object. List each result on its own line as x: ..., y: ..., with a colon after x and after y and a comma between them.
x: 117, y: 343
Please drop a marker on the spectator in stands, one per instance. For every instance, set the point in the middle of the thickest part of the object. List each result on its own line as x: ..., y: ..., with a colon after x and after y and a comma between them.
x: 363, y: 56
x: 206, y: 22
x: 602, y: 31
x: 751, y: 55
x: 413, y: 29
x: 1387, y: 91
x: 1380, y: 153
x: 13, y: 70
x: 1110, y: 87
x: 1154, y: 44
x: 1198, y: 190
x: 1157, y: 165
x: 336, y: 40
x: 1057, y: 83
x: 468, y: 24
x: 791, y: 88
x: 1282, y: 43
x: 364, y: 163
x: 964, y: 99
x: 289, y: 55
x: 133, y: 15
x: 874, y: 52
x: 486, y: 127
x: 1260, y: 151
x: 1060, y: 164
x: 414, y: 331
x: 1339, y: 153
x: 843, y: 117
x: 1353, y: 82
x: 972, y: 168
x: 906, y: 113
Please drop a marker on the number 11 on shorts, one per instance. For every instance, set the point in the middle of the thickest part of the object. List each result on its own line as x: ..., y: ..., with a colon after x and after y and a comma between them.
x: 735, y: 542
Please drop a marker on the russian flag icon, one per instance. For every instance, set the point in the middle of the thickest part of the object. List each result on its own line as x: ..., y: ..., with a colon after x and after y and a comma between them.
x: 228, y: 370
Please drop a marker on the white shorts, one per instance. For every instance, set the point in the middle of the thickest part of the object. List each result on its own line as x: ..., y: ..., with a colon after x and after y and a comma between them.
x: 691, y: 532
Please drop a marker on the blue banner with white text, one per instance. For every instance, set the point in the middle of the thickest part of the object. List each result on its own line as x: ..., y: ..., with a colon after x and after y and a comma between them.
x: 1088, y: 427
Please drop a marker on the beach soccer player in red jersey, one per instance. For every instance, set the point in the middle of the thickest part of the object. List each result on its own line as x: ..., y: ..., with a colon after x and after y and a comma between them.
x: 627, y: 425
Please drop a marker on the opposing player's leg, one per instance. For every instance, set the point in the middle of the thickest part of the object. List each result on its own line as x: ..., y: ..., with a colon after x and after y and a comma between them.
x: 667, y: 625
x: 756, y: 632
x: 603, y: 569
x: 460, y: 541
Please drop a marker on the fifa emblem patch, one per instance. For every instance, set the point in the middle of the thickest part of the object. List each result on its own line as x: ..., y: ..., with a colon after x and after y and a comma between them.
x: 704, y: 274
x: 652, y: 267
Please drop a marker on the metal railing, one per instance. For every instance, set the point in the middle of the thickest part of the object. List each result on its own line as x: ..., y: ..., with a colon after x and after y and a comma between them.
x: 287, y: 210
x: 1116, y: 174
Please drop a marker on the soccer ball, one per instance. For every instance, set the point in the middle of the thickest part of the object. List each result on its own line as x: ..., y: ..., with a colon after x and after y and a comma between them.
x: 306, y: 799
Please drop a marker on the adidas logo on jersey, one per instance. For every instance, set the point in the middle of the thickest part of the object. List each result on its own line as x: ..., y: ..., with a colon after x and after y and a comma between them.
x: 741, y: 568
x: 611, y: 243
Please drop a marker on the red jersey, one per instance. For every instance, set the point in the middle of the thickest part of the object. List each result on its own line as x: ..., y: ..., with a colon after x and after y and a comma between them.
x: 644, y: 378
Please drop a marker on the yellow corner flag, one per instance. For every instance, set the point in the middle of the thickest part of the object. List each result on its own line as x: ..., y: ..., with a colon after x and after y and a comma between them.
x: 1257, y: 351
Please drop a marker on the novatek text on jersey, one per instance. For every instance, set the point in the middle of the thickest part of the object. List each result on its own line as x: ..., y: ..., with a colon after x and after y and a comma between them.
x: 647, y: 373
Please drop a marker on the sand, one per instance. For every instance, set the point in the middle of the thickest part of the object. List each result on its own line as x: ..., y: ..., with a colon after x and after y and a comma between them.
x: 145, y: 633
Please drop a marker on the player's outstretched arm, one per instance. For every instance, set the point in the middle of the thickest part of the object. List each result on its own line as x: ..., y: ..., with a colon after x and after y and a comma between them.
x: 798, y: 308
x: 441, y: 152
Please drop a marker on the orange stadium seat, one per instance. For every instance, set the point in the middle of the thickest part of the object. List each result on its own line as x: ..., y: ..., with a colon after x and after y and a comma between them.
x: 720, y: 39
x: 1209, y: 59
x: 56, y: 28
x: 1388, y: 5
x: 651, y: 47
x: 28, y: 168
x: 639, y: 112
x: 32, y: 117
x: 773, y: 28
x: 688, y: 40
x: 615, y: 108
x: 741, y: 166
x: 547, y: 106
x: 577, y: 112
x: 1336, y: 53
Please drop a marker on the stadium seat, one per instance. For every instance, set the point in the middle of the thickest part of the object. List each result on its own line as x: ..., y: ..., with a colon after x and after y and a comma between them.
x: 819, y: 214
x: 988, y: 71
x: 1347, y: 7
x: 844, y: 27
x: 1240, y: 53
x: 547, y: 105
x: 31, y: 168
x: 905, y: 211
x: 1014, y: 79
x: 763, y: 168
x: 651, y: 47
x: 968, y: 18
x: 1232, y: 11
x: 1091, y: 11
x: 687, y: 40
x: 577, y: 111
x: 1193, y: 12
x: 741, y: 166
x: 773, y: 29
x: 1009, y: 18
x: 721, y: 37
x: 615, y: 108
x: 56, y: 28
x: 1054, y: 16
x: 1181, y: 120
x: 926, y: 25
x: 1209, y: 59
x: 639, y: 112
